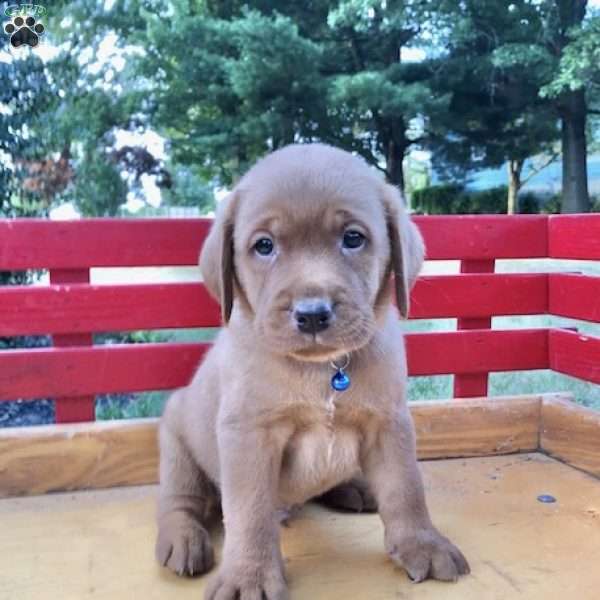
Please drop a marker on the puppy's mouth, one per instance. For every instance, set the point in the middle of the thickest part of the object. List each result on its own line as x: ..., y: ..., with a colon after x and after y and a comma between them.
x: 320, y: 349
x: 317, y: 353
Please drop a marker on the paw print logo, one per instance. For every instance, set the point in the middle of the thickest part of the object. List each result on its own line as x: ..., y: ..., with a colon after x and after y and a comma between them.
x: 24, y: 31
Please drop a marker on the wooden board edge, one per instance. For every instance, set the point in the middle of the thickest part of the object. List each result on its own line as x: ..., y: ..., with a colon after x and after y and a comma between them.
x: 477, y: 426
x: 571, y: 433
x: 38, y: 460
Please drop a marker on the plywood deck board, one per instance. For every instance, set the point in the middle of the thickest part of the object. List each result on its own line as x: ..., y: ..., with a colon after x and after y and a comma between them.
x: 99, y: 545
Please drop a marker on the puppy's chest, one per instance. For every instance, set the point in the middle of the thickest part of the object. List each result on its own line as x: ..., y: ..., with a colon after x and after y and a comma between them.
x: 322, y: 452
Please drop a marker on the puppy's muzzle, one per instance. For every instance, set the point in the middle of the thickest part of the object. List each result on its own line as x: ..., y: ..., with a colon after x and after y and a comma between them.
x: 312, y: 315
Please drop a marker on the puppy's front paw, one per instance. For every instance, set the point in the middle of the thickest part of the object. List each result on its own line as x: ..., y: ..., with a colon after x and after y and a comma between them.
x: 247, y: 581
x: 183, y: 545
x: 427, y: 553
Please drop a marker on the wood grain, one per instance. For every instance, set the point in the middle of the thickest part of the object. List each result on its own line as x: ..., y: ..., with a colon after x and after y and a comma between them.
x: 100, y: 545
x: 571, y: 433
x: 477, y: 427
x: 36, y: 460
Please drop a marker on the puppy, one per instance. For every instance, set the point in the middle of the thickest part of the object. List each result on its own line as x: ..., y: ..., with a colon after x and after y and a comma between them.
x: 304, y: 389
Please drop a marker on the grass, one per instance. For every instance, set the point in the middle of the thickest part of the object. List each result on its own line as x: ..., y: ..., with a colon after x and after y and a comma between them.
x: 150, y: 404
x: 130, y: 406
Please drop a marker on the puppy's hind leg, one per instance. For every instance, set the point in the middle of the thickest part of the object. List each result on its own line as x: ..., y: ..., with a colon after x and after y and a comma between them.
x: 352, y: 496
x: 188, y: 501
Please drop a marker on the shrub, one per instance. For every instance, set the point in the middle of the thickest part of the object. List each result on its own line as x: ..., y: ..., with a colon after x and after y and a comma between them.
x: 552, y: 205
x: 529, y: 203
x: 490, y: 201
x: 454, y: 199
x: 436, y: 199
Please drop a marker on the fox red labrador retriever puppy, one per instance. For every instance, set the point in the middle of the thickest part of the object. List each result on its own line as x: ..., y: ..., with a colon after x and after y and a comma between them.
x: 304, y: 391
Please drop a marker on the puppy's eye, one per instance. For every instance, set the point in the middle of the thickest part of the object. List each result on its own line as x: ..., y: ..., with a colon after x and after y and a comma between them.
x: 264, y: 246
x: 353, y: 239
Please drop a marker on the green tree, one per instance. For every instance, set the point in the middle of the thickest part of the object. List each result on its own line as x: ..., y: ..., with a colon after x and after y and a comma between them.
x: 189, y: 189
x: 495, y: 115
x: 229, y: 83
x: 226, y: 91
x: 225, y: 81
x: 24, y: 93
x: 565, y: 38
x: 85, y: 102
x: 575, y: 90
x: 385, y: 103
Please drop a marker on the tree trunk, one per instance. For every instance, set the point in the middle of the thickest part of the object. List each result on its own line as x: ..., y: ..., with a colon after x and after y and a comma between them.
x: 515, y: 167
x: 575, y: 195
x: 394, y: 164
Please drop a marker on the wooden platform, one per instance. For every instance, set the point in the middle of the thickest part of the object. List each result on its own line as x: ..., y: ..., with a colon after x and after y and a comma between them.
x: 99, y: 545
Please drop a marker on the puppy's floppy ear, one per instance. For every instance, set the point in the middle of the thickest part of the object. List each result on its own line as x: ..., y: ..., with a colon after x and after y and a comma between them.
x: 406, y: 247
x: 216, y: 257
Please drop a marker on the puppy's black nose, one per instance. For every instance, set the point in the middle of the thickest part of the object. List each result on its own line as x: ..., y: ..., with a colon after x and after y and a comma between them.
x: 312, y: 316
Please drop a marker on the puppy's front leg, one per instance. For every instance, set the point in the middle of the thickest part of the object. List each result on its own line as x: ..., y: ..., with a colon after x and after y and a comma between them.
x: 411, y: 540
x: 252, y: 566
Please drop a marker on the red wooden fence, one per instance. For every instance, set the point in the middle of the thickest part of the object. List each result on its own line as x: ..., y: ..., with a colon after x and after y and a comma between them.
x: 71, y: 310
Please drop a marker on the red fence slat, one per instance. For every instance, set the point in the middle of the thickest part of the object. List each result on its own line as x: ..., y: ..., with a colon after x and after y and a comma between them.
x: 77, y: 371
x: 484, y: 236
x: 574, y: 296
x: 574, y: 236
x: 38, y: 243
x: 477, y: 351
x: 479, y: 295
x: 74, y: 408
x: 469, y: 385
x: 575, y: 354
x: 50, y: 372
x: 73, y: 309
x: 43, y: 244
x: 102, y: 308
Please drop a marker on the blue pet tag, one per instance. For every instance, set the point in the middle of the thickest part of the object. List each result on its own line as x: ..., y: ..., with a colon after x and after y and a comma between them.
x: 340, y: 380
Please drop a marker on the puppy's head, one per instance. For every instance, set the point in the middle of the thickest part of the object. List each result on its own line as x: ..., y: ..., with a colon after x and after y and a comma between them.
x: 306, y: 244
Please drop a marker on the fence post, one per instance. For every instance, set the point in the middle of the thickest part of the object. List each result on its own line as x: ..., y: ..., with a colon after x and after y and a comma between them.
x: 80, y: 408
x: 469, y: 385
